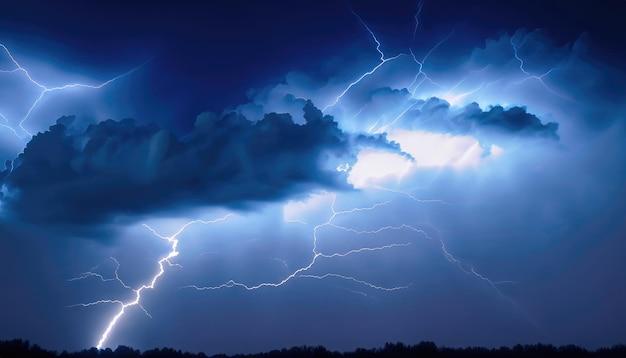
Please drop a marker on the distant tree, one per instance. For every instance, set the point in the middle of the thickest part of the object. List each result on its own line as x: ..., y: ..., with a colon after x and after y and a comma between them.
x: 21, y: 348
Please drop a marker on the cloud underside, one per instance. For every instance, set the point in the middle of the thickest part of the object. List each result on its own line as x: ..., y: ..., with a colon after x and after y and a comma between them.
x: 69, y: 176
x: 384, y: 109
x: 121, y: 168
x: 436, y: 114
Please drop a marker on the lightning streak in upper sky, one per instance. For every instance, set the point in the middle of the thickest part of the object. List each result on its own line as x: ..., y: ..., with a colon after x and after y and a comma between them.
x: 529, y: 75
x: 420, y: 63
x: 415, y: 84
x: 422, y: 76
x: 44, y: 89
x: 383, y: 60
x: 420, y: 5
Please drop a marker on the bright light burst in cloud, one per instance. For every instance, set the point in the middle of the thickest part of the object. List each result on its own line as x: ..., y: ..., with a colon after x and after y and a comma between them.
x: 436, y: 150
x: 428, y: 150
x: 375, y: 165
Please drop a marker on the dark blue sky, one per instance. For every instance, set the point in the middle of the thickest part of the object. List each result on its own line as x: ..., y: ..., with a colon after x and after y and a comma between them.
x: 194, y: 47
x: 469, y: 189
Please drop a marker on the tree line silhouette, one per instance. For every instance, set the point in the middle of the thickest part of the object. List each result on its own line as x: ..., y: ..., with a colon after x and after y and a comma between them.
x: 21, y: 348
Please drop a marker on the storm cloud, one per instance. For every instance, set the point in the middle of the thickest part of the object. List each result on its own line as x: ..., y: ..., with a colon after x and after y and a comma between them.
x: 122, y: 168
x: 437, y: 115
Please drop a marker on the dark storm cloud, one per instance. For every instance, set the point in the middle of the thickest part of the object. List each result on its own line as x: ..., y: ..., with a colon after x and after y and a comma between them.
x: 122, y: 168
x: 436, y: 114
x: 589, y: 88
x: 512, y: 120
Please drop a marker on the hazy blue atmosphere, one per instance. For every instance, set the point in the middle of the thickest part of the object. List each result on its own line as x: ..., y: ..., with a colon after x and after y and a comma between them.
x: 234, y: 177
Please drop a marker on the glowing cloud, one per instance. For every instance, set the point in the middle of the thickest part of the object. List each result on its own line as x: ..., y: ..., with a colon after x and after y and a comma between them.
x: 432, y: 150
x: 429, y: 151
x: 374, y: 166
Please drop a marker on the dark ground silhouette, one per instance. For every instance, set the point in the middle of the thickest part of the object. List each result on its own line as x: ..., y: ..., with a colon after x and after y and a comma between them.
x: 19, y: 348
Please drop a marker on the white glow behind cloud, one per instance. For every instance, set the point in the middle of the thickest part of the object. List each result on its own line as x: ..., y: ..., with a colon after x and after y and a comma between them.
x: 429, y: 151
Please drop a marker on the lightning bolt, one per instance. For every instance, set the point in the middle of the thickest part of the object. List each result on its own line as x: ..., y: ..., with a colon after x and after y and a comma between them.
x: 421, y: 75
x: 173, y: 241
x: 418, y: 12
x: 384, y: 128
x: 407, y: 194
x: 420, y: 64
x: 531, y: 76
x: 446, y: 254
x: 454, y: 98
x: 116, y: 276
x: 316, y: 255
x: 350, y: 278
x: 5, y: 124
x: 302, y: 271
x: 44, y: 89
x: 472, y: 271
x: 420, y: 71
x: 460, y: 82
x: 381, y: 62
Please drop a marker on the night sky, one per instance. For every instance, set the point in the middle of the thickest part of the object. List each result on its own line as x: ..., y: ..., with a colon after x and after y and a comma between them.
x: 236, y: 176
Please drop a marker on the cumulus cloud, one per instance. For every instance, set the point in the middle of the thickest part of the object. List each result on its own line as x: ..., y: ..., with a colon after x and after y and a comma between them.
x: 388, y: 109
x: 577, y: 85
x: 437, y: 115
x: 577, y: 89
x: 121, y: 168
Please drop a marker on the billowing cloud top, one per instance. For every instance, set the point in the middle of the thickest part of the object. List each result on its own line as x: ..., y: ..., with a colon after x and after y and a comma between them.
x: 114, y: 168
x: 383, y: 109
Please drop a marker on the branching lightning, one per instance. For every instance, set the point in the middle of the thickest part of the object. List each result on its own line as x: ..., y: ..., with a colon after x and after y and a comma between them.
x: 420, y: 5
x: 381, y: 62
x: 422, y: 76
x: 302, y: 271
x: 173, y: 241
x: 446, y: 254
x: 116, y: 276
x: 384, y: 128
x: 44, y: 89
x: 5, y: 124
x: 531, y: 76
x: 316, y: 255
x: 420, y: 63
